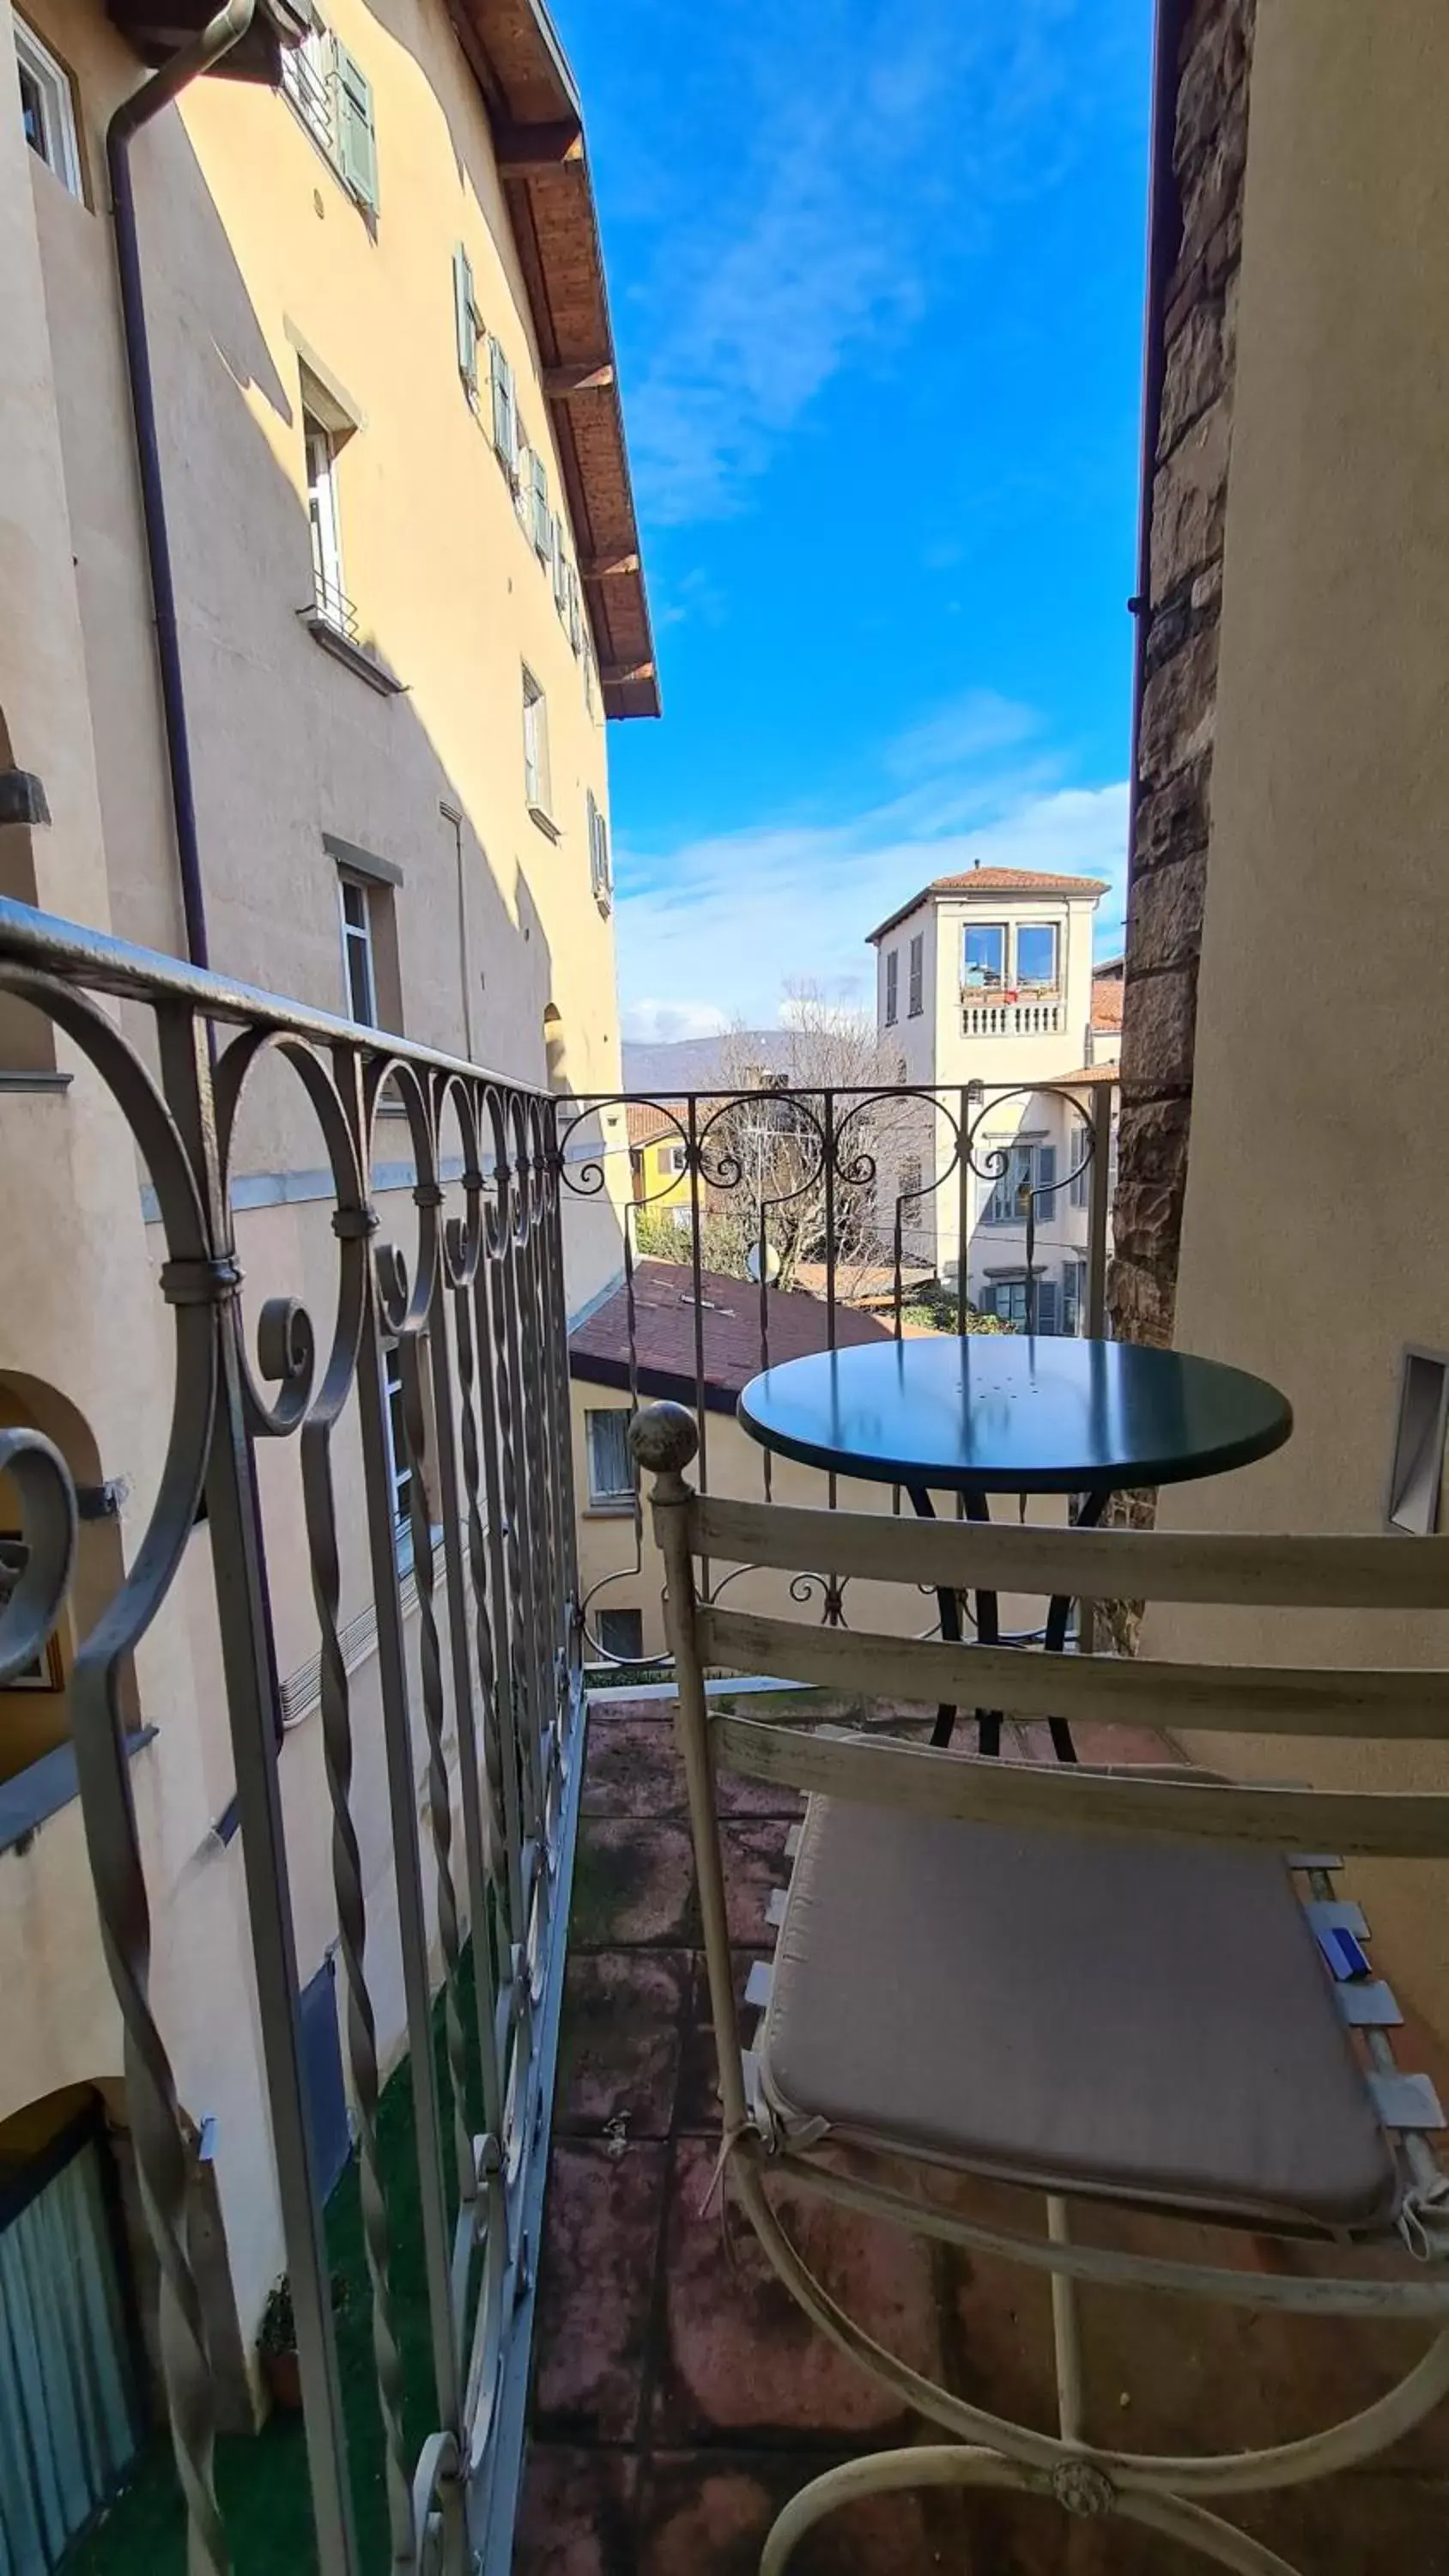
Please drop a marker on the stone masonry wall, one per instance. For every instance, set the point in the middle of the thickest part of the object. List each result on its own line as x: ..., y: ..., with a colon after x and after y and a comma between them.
x: 1175, y: 733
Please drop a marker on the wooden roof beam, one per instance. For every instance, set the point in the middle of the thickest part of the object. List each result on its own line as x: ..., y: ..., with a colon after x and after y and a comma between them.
x: 608, y: 567
x: 526, y: 151
x: 579, y: 378
x: 617, y: 675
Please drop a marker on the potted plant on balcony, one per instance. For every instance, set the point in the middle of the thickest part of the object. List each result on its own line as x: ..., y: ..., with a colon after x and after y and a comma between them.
x: 277, y: 2342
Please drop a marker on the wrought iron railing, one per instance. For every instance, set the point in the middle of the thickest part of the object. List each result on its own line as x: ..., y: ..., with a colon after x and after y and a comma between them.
x: 438, y: 1376
x: 922, y: 1205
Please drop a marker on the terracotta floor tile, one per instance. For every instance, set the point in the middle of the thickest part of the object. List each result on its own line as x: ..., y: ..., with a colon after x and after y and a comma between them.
x: 754, y: 1865
x: 621, y: 2041
x: 633, y: 1769
x: 741, y: 2359
x: 577, y: 2513
x: 600, y: 2246
x: 634, y: 1883
x: 702, y: 2514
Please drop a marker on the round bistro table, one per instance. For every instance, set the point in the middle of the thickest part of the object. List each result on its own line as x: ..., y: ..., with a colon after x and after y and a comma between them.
x: 1008, y: 1413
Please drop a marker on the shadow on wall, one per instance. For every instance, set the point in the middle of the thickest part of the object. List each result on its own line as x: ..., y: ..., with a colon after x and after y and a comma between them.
x: 35, y: 1709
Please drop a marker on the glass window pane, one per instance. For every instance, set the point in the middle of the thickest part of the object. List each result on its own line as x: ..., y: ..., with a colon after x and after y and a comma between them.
x: 1036, y: 953
x: 610, y: 1471
x: 985, y: 953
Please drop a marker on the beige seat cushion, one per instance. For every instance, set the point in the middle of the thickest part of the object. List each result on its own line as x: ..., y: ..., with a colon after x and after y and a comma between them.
x: 1148, y: 2020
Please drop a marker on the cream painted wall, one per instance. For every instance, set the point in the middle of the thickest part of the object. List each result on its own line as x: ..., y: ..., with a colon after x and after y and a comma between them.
x: 1316, y: 1233
x: 251, y: 251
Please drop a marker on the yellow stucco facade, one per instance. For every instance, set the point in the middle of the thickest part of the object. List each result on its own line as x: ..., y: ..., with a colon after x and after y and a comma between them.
x: 405, y: 767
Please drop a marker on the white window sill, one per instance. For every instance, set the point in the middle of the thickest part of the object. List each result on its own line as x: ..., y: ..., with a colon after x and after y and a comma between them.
x: 545, y: 822
x: 620, y: 1508
x: 354, y: 656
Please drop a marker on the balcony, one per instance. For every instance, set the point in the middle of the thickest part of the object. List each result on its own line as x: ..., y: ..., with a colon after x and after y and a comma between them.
x: 1041, y: 1015
x: 327, y: 1685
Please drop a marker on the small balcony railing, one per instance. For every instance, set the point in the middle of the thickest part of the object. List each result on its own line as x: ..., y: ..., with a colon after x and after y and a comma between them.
x: 421, y: 1389
x: 1031, y: 1016
x: 918, y: 1206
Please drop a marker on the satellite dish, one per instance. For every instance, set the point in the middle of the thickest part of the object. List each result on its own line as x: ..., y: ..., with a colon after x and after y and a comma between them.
x: 772, y: 1264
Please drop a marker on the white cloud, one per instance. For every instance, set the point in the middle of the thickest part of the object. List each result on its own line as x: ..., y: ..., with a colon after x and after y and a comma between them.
x: 660, y: 1023
x: 875, y: 153
x: 726, y: 924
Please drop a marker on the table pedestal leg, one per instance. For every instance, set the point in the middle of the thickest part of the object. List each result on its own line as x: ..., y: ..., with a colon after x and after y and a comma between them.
x: 988, y: 1721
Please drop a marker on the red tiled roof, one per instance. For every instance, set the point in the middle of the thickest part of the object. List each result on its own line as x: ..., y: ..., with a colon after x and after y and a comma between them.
x: 995, y: 881
x: 650, y: 1125
x: 1090, y: 1073
x: 1106, y: 1002
x: 664, y: 1321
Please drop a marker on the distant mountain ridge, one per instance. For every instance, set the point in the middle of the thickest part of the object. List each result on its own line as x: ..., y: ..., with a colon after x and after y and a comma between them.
x: 693, y: 1064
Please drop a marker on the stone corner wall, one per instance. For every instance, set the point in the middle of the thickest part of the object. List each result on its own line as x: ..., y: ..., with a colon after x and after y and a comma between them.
x: 1174, y: 750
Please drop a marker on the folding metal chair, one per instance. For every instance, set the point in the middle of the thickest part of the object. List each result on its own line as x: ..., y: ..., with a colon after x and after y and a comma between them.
x: 1132, y: 1986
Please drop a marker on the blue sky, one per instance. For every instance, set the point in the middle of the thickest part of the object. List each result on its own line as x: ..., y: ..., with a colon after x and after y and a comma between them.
x: 876, y: 278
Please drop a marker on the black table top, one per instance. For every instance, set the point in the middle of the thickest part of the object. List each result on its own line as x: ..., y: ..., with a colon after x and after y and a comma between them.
x: 1015, y: 1414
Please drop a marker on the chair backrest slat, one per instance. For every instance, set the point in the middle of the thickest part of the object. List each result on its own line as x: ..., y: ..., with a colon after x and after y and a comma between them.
x: 1388, y: 1824
x: 1375, y: 1573
x: 1129, y: 1690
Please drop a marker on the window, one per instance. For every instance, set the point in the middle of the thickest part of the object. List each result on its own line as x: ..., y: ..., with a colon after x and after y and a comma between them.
x: 505, y: 410
x: 1036, y: 953
x: 909, y: 1188
x: 47, y: 108
x: 1029, y: 1167
x: 674, y: 1158
x: 574, y: 618
x: 535, y: 749
x: 601, y: 873
x: 465, y: 321
x: 892, y: 986
x: 333, y: 97
x: 1079, y: 1188
x: 915, y: 1005
x: 983, y: 956
x: 621, y: 1635
x: 611, y: 1469
x: 542, y: 528
x: 359, y: 963
x: 333, y: 604
x: 1046, y: 1306
x: 395, y: 1425
x: 1074, y: 1296
x: 1006, y: 1298
x: 562, y: 572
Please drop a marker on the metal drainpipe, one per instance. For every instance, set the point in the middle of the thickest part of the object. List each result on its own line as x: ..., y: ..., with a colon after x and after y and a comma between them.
x: 216, y: 38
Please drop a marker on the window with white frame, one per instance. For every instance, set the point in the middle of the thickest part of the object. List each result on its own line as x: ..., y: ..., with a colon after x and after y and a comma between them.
x: 916, y: 993
x: 1079, y: 1187
x: 1006, y: 1298
x: 359, y: 956
x: 892, y: 986
x: 466, y: 324
x: 333, y: 97
x: 400, y: 1474
x: 47, y: 108
x: 1029, y: 1169
x: 611, y: 1469
x: 601, y: 872
x: 536, y: 787
x: 983, y: 956
x: 1074, y: 1296
x: 329, y: 591
x: 1037, y: 946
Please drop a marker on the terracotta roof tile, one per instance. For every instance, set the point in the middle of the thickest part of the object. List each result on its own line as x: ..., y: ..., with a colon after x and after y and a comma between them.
x: 1106, y: 1002
x: 996, y: 881
x: 664, y: 1321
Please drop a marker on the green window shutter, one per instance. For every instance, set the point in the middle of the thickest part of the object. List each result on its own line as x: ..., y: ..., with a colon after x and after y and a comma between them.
x: 356, y: 134
x: 505, y: 416
x: 465, y: 319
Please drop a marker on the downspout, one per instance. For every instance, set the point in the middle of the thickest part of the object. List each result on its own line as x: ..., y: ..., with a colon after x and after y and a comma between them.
x: 1164, y: 234
x: 216, y: 38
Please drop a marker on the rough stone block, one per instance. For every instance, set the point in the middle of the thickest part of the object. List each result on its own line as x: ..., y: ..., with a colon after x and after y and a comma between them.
x: 1172, y: 820
x: 1157, y: 1032
x: 1165, y: 926
x: 1189, y: 500
x: 1198, y: 365
x: 1153, y: 1139
x: 1178, y: 708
